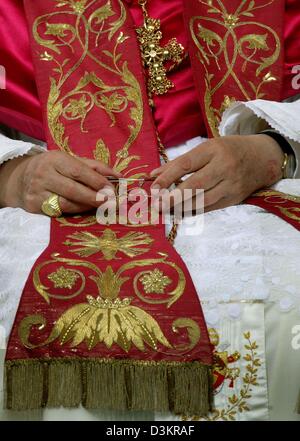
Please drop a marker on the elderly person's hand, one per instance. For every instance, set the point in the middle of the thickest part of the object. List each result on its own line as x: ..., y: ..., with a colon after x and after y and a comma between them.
x: 229, y: 169
x: 28, y: 181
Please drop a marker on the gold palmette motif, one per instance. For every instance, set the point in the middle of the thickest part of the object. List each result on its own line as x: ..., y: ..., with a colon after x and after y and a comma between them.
x: 108, y: 318
x: 215, y: 49
x: 155, y: 56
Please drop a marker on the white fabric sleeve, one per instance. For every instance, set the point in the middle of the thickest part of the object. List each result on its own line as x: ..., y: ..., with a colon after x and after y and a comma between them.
x: 252, y: 117
x: 11, y: 148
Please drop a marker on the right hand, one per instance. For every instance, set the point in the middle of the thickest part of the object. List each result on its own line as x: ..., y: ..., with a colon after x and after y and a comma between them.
x: 28, y: 181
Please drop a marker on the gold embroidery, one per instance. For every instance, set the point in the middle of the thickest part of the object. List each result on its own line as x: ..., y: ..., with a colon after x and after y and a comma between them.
x: 173, y: 296
x: 78, y: 103
x: 109, y: 244
x: 278, y: 198
x: 63, y: 278
x: 77, y: 221
x: 222, y: 360
x: 237, y: 403
x: 251, y: 48
x: 154, y: 56
x: 105, y: 319
x: 118, y: 317
x: 268, y: 194
x: 102, y: 153
x: 109, y: 322
x: 193, y: 331
x: 59, y: 278
x: 155, y: 282
x: 292, y: 212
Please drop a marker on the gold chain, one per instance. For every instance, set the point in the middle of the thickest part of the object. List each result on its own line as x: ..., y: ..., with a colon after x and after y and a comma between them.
x: 162, y: 151
x: 154, y: 57
x: 143, y: 4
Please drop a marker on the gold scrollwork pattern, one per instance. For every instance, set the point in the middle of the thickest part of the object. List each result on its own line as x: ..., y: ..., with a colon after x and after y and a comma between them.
x: 278, y: 199
x: 278, y: 196
x: 221, y: 41
x: 80, y: 25
x: 108, y: 318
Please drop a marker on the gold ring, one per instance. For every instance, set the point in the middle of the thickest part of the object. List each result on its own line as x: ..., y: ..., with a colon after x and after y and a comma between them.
x: 51, y: 207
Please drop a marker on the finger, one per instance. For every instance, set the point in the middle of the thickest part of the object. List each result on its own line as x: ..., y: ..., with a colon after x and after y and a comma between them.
x: 101, y: 168
x: 215, y: 195
x: 72, y: 190
x: 158, y: 171
x: 78, y: 171
x: 205, y: 179
x: 70, y: 207
x: 180, y: 167
x: 65, y: 205
x: 214, y: 199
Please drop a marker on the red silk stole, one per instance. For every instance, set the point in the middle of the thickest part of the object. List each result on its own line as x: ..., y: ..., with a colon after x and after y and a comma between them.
x: 109, y: 317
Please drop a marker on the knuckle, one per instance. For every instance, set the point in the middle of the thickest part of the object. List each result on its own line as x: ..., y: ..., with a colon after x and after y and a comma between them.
x: 229, y: 159
x: 99, y: 182
x: 30, y: 203
x: 163, y: 182
x: 75, y: 171
x: 185, y: 163
x: 198, y: 183
x: 31, y: 186
x: 40, y: 169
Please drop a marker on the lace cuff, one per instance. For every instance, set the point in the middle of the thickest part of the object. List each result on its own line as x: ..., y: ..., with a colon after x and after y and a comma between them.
x: 255, y: 116
x: 11, y: 148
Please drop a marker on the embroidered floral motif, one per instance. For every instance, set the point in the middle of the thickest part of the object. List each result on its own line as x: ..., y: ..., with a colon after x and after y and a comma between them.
x: 155, y: 282
x: 63, y: 278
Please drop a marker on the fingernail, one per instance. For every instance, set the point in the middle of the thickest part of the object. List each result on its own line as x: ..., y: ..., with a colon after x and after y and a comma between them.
x: 154, y: 172
x: 155, y: 187
x: 106, y: 193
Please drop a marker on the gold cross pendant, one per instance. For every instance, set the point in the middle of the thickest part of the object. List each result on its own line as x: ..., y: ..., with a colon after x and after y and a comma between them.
x: 155, y: 56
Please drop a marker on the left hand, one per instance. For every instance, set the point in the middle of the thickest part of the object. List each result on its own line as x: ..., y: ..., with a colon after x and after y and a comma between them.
x: 229, y: 169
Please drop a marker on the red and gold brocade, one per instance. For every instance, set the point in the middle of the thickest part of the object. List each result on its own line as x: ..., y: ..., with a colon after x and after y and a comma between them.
x: 177, y: 115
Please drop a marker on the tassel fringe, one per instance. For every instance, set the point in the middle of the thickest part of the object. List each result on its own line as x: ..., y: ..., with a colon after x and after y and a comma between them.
x: 182, y: 388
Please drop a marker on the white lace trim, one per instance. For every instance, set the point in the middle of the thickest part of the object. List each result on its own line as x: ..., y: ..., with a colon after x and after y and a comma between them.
x: 11, y: 149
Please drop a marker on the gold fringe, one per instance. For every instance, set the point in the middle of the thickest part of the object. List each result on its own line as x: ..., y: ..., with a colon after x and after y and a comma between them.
x: 182, y: 388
